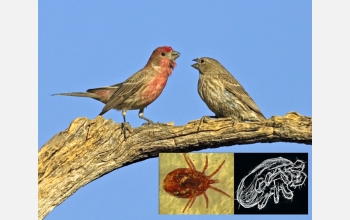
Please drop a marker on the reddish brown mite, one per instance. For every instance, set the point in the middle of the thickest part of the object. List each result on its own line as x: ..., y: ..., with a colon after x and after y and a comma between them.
x: 190, y: 183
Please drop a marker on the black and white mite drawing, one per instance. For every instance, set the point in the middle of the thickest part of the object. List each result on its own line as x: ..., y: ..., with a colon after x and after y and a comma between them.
x: 273, y: 177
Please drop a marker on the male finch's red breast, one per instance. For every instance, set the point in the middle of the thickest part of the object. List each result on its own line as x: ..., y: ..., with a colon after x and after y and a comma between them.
x: 162, y: 67
x: 155, y: 88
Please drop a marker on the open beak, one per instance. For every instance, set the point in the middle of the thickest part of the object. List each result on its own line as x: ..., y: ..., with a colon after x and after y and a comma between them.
x: 195, y: 65
x: 175, y: 54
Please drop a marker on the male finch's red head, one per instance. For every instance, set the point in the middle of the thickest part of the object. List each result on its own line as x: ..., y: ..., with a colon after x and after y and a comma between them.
x: 164, y: 55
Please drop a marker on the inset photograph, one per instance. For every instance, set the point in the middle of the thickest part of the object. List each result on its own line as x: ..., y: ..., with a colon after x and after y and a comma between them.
x: 271, y: 183
x: 196, y: 183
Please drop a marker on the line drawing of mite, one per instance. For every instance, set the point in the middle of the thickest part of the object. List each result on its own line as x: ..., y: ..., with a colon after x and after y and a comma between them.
x: 272, y: 177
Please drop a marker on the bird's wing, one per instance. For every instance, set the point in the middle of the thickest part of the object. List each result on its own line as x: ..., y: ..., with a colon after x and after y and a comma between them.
x: 234, y: 87
x: 126, y: 89
x: 104, y: 93
x: 115, y: 86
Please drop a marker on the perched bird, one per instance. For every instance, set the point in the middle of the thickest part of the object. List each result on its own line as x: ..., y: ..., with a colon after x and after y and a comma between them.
x: 223, y: 94
x: 140, y: 89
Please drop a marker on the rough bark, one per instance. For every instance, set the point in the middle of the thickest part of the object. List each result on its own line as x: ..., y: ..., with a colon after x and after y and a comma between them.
x: 89, y: 149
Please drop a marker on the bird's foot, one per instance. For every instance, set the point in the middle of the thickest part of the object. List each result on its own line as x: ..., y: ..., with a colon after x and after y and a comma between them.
x: 149, y: 122
x: 204, y: 119
x: 126, y: 126
x: 159, y: 123
x: 233, y: 122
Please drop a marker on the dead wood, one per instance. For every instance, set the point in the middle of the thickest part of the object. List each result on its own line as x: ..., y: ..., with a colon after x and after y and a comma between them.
x: 89, y: 149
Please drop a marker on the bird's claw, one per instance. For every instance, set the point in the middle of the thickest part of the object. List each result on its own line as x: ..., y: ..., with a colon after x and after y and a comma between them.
x: 126, y: 126
x: 204, y: 119
x: 233, y: 122
x: 148, y: 123
x: 158, y: 123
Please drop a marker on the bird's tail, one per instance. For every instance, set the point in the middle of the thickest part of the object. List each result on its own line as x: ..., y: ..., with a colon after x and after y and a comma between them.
x: 102, y: 94
x: 78, y: 94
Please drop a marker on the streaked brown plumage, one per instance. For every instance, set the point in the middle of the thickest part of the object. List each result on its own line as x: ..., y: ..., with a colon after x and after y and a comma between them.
x: 140, y: 89
x: 223, y: 94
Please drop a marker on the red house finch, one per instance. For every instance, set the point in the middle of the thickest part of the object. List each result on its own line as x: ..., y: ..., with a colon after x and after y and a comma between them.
x: 139, y: 90
x: 223, y: 94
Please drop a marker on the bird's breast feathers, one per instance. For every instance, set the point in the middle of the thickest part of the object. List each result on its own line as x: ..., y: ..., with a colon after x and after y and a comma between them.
x: 155, y: 86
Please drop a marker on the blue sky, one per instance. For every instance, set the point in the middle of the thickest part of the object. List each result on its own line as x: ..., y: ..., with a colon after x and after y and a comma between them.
x: 266, y: 45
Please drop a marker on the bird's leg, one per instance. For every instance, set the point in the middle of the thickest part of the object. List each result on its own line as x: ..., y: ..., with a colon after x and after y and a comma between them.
x: 144, y: 118
x: 125, y: 124
x: 124, y: 117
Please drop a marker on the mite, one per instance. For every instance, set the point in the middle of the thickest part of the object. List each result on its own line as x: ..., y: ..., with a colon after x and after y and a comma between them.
x: 189, y: 183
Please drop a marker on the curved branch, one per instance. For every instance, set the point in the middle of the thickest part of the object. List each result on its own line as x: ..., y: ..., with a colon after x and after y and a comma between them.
x: 89, y: 149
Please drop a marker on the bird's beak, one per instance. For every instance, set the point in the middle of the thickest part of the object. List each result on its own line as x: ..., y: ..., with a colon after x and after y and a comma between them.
x: 175, y: 54
x: 195, y: 65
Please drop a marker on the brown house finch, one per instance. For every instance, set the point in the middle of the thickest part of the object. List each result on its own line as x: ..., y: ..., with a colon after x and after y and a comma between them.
x: 223, y: 94
x: 139, y: 90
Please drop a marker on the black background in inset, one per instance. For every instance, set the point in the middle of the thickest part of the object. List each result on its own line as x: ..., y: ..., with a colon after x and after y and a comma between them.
x: 246, y: 162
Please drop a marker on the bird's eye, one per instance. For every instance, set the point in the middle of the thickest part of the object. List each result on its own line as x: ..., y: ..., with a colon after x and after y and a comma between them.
x: 202, y: 61
x: 163, y: 54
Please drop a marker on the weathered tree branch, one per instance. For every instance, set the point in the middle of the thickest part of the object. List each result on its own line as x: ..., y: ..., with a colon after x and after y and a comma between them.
x: 89, y: 149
